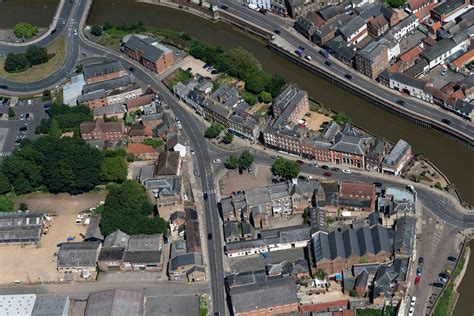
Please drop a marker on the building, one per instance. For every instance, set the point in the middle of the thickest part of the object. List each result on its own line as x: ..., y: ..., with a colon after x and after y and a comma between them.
x: 377, y: 26
x: 291, y: 104
x: 168, y: 164
x: 192, y: 235
x: 123, y: 94
x: 232, y: 231
x: 356, y: 196
x: 102, y: 130
x: 355, y: 31
x: 175, y: 143
x: 78, y: 256
x: 409, y: 85
x: 263, y: 4
x: 143, y: 252
x: 271, y: 240
x: 115, y: 303
x: 18, y: 304
x: 20, y: 227
x: 279, y: 7
x: 404, y: 235
x: 397, y: 158
x: 140, y: 102
x: 73, y: 89
x: 142, y: 151
x: 305, y: 27
x: 93, y: 99
x: 116, y: 111
x: 372, y: 60
x: 149, y: 52
x: 122, y: 85
x: 167, y: 190
x: 267, y: 297
x: 350, y: 148
x: 448, y: 8
x: 111, y: 255
x: 440, y: 51
x: 103, y: 71
x: 51, y: 305
x: 187, y: 267
x: 405, y: 27
x: 93, y: 232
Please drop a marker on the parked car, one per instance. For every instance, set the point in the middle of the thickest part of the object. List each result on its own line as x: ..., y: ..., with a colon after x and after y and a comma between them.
x: 413, y: 301
x: 192, y: 151
x: 419, y: 271
x: 273, y: 157
x: 205, y: 66
x: 300, y: 162
x: 452, y: 259
x: 438, y: 285
x: 420, y: 261
x: 189, y: 69
x: 327, y: 174
x: 131, y: 69
x: 214, y: 72
x: 336, y: 169
x: 216, y: 161
x: 444, y: 72
x: 209, y: 236
x: 444, y: 275
x: 347, y: 171
x: 196, y: 173
x: 324, y: 167
x: 417, y: 280
x: 442, y: 280
x: 53, y: 31
x: 378, y: 184
x: 411, y: 311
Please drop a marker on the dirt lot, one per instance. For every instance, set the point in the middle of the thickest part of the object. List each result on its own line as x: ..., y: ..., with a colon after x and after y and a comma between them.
x: 315, y: 120
x: 37, y: 263
x: 233, y: 181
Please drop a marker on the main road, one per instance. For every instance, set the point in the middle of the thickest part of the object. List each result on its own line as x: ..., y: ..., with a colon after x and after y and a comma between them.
x: 271, y: 23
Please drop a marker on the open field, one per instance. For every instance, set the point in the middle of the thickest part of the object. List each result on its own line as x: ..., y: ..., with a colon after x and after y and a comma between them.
x: 38, y: 72
x: 37, y: 263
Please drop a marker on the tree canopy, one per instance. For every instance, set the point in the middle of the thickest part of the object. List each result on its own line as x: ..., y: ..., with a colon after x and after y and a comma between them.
x: 68, y: 118
x: 396, y: 3
x: 127, y: 208
x: 228, y: 137
x: 213, y: 131
x: 341, y: 118
x: 25, y: 30
x: 285, y: 168
x: 114, y: 166
x: 21, y: 61
x: 96, y: 30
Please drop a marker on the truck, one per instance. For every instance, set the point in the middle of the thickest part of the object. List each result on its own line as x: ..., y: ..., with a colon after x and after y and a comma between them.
x: 253, y: 6
x: 324, y: 53
x: 299, y: 52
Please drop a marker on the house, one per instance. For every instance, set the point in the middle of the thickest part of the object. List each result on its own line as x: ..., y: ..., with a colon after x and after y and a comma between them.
x: 355, y: 31
x: 148, y: 52
x: 142, y: 151
x: 121, y: 83
x: 372, y: 60
x: 350, y: 148
x: 305, y: 27
x: 232, y: 231
x: 192, y: 235
x: 102, y: 130
x: 73, y: 89
x: 227, y: 210
x: 270, y: 296
x: 111, y: 258
x: 405, y: 27
x: 183, y: 268
x: 167, y: 190
x: 280, y: 199
x: 93, y: 99
x: 271, y: 240
x: 377, y: 25
x: 177, y: 219
x: 110, y: 111
x: 338, y: 47
x: 50, y: 305
x: 397, y: 158
x: 404, y: 235
x: 20, y: 227
x: 409, y: 85
x: 375, y: 155
x: 175, y: 143
x: 291, y: 104
x: 78, y: 256
x: 302, y: 193
x: 93, y: 232
x: 168, y: 164
x: 115, y: 302
x: 263, y: 4
x: 318, y: 219
x: 279, y: 7
x: 139, y: 132
x: 396, y: 200
x: 141, y: 102
x: 356, y: 196
x: 143, y: 252
x: 259, y: 215
x: 448, y: 8
x: 103, y: 71
x: 441, y: 50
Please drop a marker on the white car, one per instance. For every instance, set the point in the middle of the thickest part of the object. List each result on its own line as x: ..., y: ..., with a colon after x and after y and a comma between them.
x: 192, y: 151
x: 413, y: 301
x: 347, y: 171
x: 216, y: 161
x: 411, y: 311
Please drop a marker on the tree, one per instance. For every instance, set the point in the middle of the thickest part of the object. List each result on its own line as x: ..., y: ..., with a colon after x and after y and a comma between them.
x: 341, y: 118
x: 16, y: 63
x: 265, y: 97
x: 96, y: 30
x: 438, y: 185
x: 25, y: 30
x: 256, y: 81
x: 363, y: 260
x: 353, y: 293
x: 231, y: 162
x: 320, y: 274
x: 23, y: 206
x: 37, y: 55
x: 213, y: 131
x: 185, y: 36
x: 54, y: 130
x: 286, y: 168
x: 250, y: 98
x: 5, y: 185
x: 46, y: 95
x: 79, y: 68
x: 11, y: 113
x: 228, y: 137
x: 245, y: 160
x: 241, y: 63
x: 113, y: 169
x: 306, y: 215
x: 276, y: 83
x: 396, y: 3
x: 6, y: 203
x: 107, y: 26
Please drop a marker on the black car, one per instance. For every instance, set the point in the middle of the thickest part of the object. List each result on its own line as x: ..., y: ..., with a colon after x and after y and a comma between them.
x: 444, y: 275
x: 277, y: 31
x: 378, y: 184
x: 327, y: 63
x: 53, y: 31
x: 209, y: 236
x: 420, y: 261
x: 324, y: 167
x: 131, y: 69
x: 205, y: 66
x: 446, y: 121
x: 437, y: 284
x: 23, y: 129
x: 348, y: 76
x: 452, y: 259
x: 189, y: 69
x: 335, y: 169
x: 205, y: 195
x: 400, y: 102
x: 214, y: 72
x: 4, y: 87
x: 224, y: 7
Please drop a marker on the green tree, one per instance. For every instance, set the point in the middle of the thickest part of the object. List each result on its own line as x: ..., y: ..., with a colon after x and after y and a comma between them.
x: 25, y: 30
x: 245, y: 160
x: 320, y: 274
x: 353, y: 293
x: 250, y: 98
x: 213, y: 131
x: 79, y: 68
x: 16, y: 63
x: 241, y: 63
x: 37, y: 55
x: 286, y: 168
x: 363, y: 260
x: 155, y: 143
x: 185, y: 36
x: 275, y: 85
x: 231, y: 162
x: 5, y: 185
x: 396, y: 3
x: 256, y: 81
x: 306, y: 215
x: 54, y: 130
x: 113, y: 169
x: 11, y: 113
x: 438, y: 185
x: 23, y: 206
x: 107, y: 26
x: 46, y: 95
x: 341, y: 118
x: 265, y: 97
x: 228, y: 137
x: 96, y: 30
x: 6, y: 203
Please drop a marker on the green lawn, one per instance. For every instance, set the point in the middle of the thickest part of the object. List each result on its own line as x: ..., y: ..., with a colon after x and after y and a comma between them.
x: 178, y: 76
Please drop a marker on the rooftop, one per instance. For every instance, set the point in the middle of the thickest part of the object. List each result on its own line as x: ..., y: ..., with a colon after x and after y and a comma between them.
x: 101, y: 69
x: 396, y: 153
x: 78, y: 254
x: 150, y: 49
x: 115, y: 303
x: 20, y: 226
x: 51, y: 305
x: 21, y: 304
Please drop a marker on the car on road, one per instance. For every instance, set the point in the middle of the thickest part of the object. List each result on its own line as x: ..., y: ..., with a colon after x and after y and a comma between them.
x: 347, y: 171
x: 273, y: 157
x: 301, y: 47
x: 452, y: 259
x: 22, y: 117
x: 417, y: 280
x: 411, y: 311
x: 224, y: 7
x: 277, y: 31
x: 196, y: 173
x: 308, y: 57
x: 419, y: 271
x: 324, y: 167
x: 205, y: 195
x: 23, y: 128
x: 328, y: 63
x: 131, y: 69
x: 400, y: 102
x: 192, y: 151
x: 314, y: 165
x: 4, y: 87
x: 413, y: 301
x: 438, y: 285
x: 348, y: 76
x: 216, y: 161
x: 209, y: 236
x: 446, y: 121
x: 53, y: 31
x: 327, y: 174
x: 420, y: 261
x: 300, y: 162
x: 336, y: 169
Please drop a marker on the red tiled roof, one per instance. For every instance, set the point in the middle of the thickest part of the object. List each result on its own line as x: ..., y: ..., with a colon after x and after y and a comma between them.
x: 356, y: 189
x: 140, y: 101
x: 436, y: 26
x: 464, y: 58
x: 459, y: 95
x: 137, y: 149
x: 411, y: 54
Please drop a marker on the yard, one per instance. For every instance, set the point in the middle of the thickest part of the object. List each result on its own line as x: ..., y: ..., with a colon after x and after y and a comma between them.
x: 37, y: 263
x: 315, y: 120
x: 232, y: 181
x: 179, y: 75
x: 42, y: 71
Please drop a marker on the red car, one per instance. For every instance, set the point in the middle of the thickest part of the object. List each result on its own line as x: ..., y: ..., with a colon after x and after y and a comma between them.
x: 327, y: 174
x: 301, y: 162
x: 417, y: 280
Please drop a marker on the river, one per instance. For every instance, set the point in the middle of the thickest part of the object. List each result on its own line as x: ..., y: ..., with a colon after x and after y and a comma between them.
x: 36, y: 12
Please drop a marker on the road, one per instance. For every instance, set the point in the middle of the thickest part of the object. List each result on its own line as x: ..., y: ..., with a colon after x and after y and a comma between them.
x: 270, y: 23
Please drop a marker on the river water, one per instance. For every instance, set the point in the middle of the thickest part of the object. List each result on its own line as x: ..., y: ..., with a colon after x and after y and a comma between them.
x: 36, y: 12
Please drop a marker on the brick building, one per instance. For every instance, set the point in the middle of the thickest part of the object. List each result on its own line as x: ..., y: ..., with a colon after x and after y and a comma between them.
x: 356, y: 196
x: 102, y: 130
x: 103, y: 71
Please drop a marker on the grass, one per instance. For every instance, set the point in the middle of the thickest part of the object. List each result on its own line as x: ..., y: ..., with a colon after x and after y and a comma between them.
x: 369, y: 312
x: 445, y: 303
x: 155, y: 143
x: 178, y: 76
x: 202, y: 306
x: 314, y: 106
x: 38, y: 72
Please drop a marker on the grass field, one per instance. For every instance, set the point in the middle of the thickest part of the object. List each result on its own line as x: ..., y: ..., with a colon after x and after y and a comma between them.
x: 38, y: 72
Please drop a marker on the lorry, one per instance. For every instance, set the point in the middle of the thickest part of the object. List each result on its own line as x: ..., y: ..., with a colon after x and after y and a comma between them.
x: 253, y: 6
x: 324, y: 53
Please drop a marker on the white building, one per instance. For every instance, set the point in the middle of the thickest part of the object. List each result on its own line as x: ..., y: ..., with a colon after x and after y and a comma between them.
x: 73, y: 89
x: 17, y: 305
x: 264, y: 4
x: 409, y: 85
x: 405, y: 27
x: 445, y: 48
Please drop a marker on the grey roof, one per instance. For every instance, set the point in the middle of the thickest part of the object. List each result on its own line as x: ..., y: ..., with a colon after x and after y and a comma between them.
x: 299, y: 266
x: 263, y: 295
x: 437, y: 50
x: 404, y: 23
x: 338, y: 47
x: 336, y: 245
x: 231, y: 229
x: 178, y: 247
x: 112, y: 109
x: 246, y: 229
x: 164, y: 185
x: 279, y: 191
x: 93, y: 229
x: 404, y: 234
x: 366, y: 243
x: 51, y: 305
x: 226, y: 205
x: 351, y: 243
x: 256, y: 196
x: 115, y: 303
x: 304, y: 187
x: 448, y: 6
x: 352, y: 26
x: 78, y: 254
x: 350, y: 144
x: 108, y: 85
x: 246, y: 278
x: 192, y: 258
x: 397, y: 152
x: 381, y: 239
x: 321, y: 248
x: 407, y: 80
x: 376, y: 150
x: 279, y: 268
x: 93, y: 95
x: 144, y: 242
x: 371, y: 268
x: 287, y: 100
x: 116, y: 239
x: 372, y: 50
x: 304, y: 24
x: 167, y: 163
x: 111, y: 254
x: 362, y: 279
x: 400, y: 266
x: 142, y: 256
x: 20, y: 226
x: 150, y: 49
x: 100, y: 69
